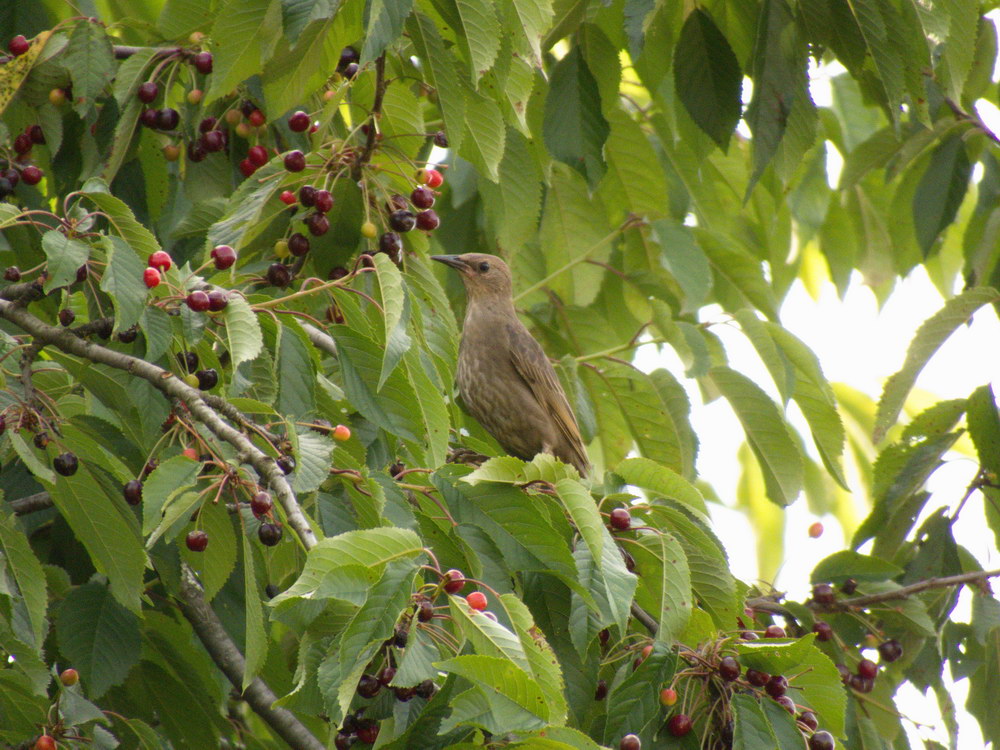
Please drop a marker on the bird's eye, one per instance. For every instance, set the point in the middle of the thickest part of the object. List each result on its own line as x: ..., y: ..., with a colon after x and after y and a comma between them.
x: 484, y: 267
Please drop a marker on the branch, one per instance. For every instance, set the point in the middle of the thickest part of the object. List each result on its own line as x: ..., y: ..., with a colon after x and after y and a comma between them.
x: 123, y: 51
x: 321, y: 340
x: 27, y: 365
x: 23, y: 293
x: 31, y: 503
x: 227, y: 657
x: 645, y: 618
x: 174, y: 388
x: 376, y: 113
x: 977, y: 576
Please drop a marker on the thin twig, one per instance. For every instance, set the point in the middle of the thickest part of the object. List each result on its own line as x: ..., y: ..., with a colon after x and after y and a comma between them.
x: 376, y: 113
x: 31, y: 503
x: 978, y: 576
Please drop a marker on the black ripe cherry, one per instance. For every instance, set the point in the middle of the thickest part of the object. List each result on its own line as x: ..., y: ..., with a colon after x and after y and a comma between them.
x: 298, y: 121
x: 196, y: 540
x: 774, y: 631
x: 630, y: 742
x: 777, y: 686
x: 867, y: 669
x: 823, y: 631
x: 402, y: 220
x: 286, y: 464
x: 269, y: 534
x: 132, y: 492
x: 422, y: 197
x: 207, y: 378
x: 203, y: 62
x: 147, y: 92
x: 66, y: 464
x: 823, y: 593
x: 261, y: 504
x: 822, y: 740
x: 298, y: 244
x: 890, y: 650
x: 729, y: 668
x: 809, y: 720
x: 278, y: 275
x: 368, y: 686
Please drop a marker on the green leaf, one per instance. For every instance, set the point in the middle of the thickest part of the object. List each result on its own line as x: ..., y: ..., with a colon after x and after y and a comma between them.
x: 441, y: 71
x: 845, y: 564
x: 22, y: 710
x: 658, y: 479
x: 383, y: 23
x: 767, y: 433
x: 509, y: 470
x: 27, y: 571
x: 482, y: 34
x: 485, y: 636
x: 256, y: 638
x: 581, y: 509
x: 90, y: 60
x: 733, y: 264
x: 390, y: 282
x: 666, y: 585
x: 484, y: 136
x: 929, y: 337
x: 291, y: 74
x: 884, y: 52
x: 751, y: 729
x: 544, y: 666
x: 635, y: 701
x: 707, y: 77
x: 121, y: 218
x: 783, y: 724
x: 296, y: 371
x: 41, y: 471
x: 575, y: 128
x: 818, y: 682
x: 131, y: 73
x: 940, y: 191
x: 535, y: 17
x: 635, y: 182
x: 984, y: 428
x: 312, y: 456
x: 169, y: 479
x: 513, y: 203
x: 243, y: 35
x: 243, y: 333
x: 509, y: 689
x: 215, y: 564
x: 98, y: 636
x: 684, y: 259
x: 113, y: 545
x: 65, y: 255
x: 122, y: 281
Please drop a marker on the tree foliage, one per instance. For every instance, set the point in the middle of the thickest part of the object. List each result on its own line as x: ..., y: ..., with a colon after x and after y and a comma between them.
x: 237, y: 491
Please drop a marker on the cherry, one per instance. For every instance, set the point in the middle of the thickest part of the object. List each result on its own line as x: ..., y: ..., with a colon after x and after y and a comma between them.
x: 343, y: 741
x: 287, y: 197
x: 224, y: 256
x: 66, y: 317
x: 757, y: 678
x: 295, y: 161
x: 6, y: 187
x: 197, y: 301
x: 207, y: 125
x: 324, y: 201
x: 171, y: 152
x: 256, y: 118
x: 440, y: 139
x: 890, y: 650
x: 425, y: 611
x: 816, y: 530
x: 213, y: 141
x: 36, y: 134
x: 45, y: 742
x: 207, y: 379
x: 337, y: 272
x: 774, y: 631
x: 402, y: 220
x: 428, y: 220
x: 132, y: 492
x: 454, y: 581
x: 203, y: 62
x: 148, y: 92
x: 776, y: 686
x: 430, y: 177
x: 128, y: 335
x: 729, y: 668
x: 12, y: 273
x: 196, y: 152
x: 422, y: 197
x: 867, y: 669
x: 57, y: 97
x: 477, y: 600
x: 351, y: 70
x: 81, y: 276
x: 861, y: 684
x: 317, y: 224
x: 41, y: 440
x: 150, y: 467
x: 269, y: 534
x: 299, y: 121
x: 278, y: 275
x: 298, y: 244
x: 18, y: 45
x: 22, y: 143
x: 65, y: 464
x: 342, y: 433
x: 679, y: 725
x: 823, y: 593
x: 787, y: 702
x: 32, y: 175
x: 160, y: 260
x: 822, y: 740
x: 668, y: 697
x: 167, y: 119
x: 630, y: 742
x: 217, y: 300
x: 621, y: 519
x: 11, y: 175
x: 307, y: 195
x: 808, y: 718
x: 188, y: 360
x: 247, y: 167
x: 196, y: 540
x: 286, y: 464
x: 849, y: 586
x: 369, y: 732
x: 348, y: 55
x: 385, y: 675
x: 427, y: 688
x: 257, y: 154
x: 390, y: 244
x: 194, y: 96
x: 69, y: 677
x: 368, y: 686
x: 400, y: 638
x: 823, y: 631
x: 261, y: 504
x: 151, y: 277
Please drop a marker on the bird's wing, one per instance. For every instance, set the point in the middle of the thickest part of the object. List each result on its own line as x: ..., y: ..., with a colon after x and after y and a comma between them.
x: 535, y: 369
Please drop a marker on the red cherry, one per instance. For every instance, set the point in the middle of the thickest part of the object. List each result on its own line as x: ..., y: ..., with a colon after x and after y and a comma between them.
x: 217, y: 300
x: 298, y: 244
x: 477, y: 600
x: 679, y: 725
x: 247, y: 167
x: 36, y: 134
x: 32, y: 175
x: 203, y: 62
x: 197, y: 540
x: 867, y: 669
x: 299, y: 122
x: 151, y: 277
x: 621, y: 519
x: 160, y: 260
x: 774, y: 631
x: 198, y: 301
x: 368, y: 733
x: 428, y: 220
x: 45, y: 742
x: 630, y: 742
x: 668, y: 697
x: 422, y: 197
x: 18, y: 45
x: 823, y: 593
x: 295, y: 161
x: 318, y: 224
x: 324, y: 201
x: 454, y: 580
x: 224, y: 256
x: 69, y: 677
x: 823, y: 631
x: 261, y: 504
x: 196, y: 152
x: 342, y: 433
x: 148, y: 92
x: 430, y: 177
x: 256, y: 118
x: 287, y: 197
x: 257, y: 155
x: 22, y: 144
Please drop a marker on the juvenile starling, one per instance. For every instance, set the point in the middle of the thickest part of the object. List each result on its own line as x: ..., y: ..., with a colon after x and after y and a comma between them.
x: 506, y: 382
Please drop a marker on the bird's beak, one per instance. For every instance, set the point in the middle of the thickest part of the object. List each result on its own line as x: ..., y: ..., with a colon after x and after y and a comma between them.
x: 455, y: 261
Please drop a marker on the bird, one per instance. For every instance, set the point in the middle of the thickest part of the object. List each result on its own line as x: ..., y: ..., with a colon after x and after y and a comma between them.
x: 504, y: 378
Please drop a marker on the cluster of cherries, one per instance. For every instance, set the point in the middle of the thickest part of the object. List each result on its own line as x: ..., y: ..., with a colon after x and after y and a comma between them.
x: 65, y: 464
x: 214, y: 300
x: 20, y: 168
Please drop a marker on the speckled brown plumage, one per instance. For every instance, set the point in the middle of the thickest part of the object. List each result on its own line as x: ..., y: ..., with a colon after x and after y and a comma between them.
x: 506, y: 382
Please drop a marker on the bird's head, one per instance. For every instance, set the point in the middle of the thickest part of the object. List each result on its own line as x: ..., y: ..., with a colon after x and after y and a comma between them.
x: 484, y: 276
